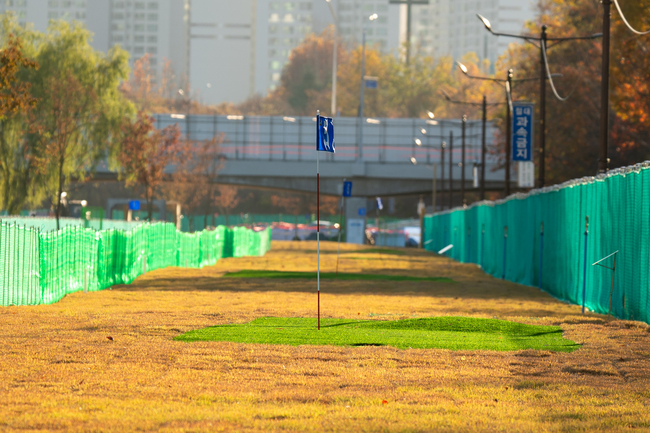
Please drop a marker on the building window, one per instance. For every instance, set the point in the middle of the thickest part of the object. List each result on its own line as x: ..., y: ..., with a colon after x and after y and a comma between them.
x: 52, y: 15
x: 53, y: 4
x: 275, y: 65
x: 139, y: 5
x: 138, y: 50
x: 80, y: 15
x: 152, y: 27
x: 118, y: 5
x: 305, y: 6
x: 288, y: 18
x: 118, y: 38
x: 153, y: 5
x: 117, y: 27
x: 152, y: 17
x: 138, y: 39
x: 288, y: 30
x: 275, y: 76
x: 288, y: 6
x: 152, y: 50
x: 152, y: 39
x: 138, y: 27
x: 118, y: 16
x: 274, y: 18
x: 66, y: 4
x: 138, y: 17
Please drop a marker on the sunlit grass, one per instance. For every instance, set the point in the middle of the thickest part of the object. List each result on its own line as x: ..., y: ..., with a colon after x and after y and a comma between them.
x: 455, y: 333
x: 330, y: 276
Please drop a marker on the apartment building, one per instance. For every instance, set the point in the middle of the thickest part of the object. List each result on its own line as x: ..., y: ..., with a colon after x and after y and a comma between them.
x: 156, y: 27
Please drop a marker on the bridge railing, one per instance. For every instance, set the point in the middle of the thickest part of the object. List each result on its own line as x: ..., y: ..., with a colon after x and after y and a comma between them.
x: 278, y: 138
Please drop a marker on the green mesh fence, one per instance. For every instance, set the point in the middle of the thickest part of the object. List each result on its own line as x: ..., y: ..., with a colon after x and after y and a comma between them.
x: 42, y: 267
x: 618, y: 207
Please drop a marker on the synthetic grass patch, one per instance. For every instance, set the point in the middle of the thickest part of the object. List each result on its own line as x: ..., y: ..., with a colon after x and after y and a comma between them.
x: 455, y: 333
x: 330, y: 276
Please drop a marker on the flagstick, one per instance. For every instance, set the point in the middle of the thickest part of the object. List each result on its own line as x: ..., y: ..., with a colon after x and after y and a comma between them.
x: 338, y: 251
x: 318, y: 228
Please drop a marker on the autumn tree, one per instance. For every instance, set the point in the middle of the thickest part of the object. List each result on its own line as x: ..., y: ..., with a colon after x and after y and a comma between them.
x: 16, y: 167
x: 66, y: 61
x: 194, y: 180
x: 146, y: 153
x: 573, y: 126
x: 228, y: 199
x: 64, y: 151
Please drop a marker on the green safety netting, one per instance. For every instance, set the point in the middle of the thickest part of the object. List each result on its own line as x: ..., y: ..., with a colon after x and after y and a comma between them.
x: 618, y: 208
x: 42, y: 267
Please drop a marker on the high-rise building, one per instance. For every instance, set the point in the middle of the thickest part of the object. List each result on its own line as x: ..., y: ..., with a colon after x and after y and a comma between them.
x: 156, y: 27
x: 238, y: 49
x: 230, y: 50
x: 451, y: 27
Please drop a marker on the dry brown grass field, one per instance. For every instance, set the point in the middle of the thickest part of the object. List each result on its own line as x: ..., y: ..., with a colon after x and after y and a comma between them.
x: 59, y: 371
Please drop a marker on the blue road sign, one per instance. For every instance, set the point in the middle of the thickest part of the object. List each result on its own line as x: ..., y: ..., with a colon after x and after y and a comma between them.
x: 371, y: 82
x: 522, y: 131
x: 347, y: 189
x: 134, y: 205
x: 362, y: 211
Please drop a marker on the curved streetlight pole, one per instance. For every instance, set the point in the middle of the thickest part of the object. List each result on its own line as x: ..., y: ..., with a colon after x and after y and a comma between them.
x: 363, y: 85
x: 484, y: 106
x: 542, y: 41
x: 507, y: 83
x: 334, y: 57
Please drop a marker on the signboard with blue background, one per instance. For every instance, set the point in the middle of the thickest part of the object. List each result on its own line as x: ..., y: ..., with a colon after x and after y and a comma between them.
x: 522, y: 131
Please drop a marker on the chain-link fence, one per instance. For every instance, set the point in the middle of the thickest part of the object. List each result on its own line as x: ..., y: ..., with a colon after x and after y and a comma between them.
x: 542, y: 239
x: 42, y: 267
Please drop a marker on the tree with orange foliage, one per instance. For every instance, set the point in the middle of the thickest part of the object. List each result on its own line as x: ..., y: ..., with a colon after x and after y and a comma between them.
x: 228, y: 199
x: 573, y: 126
x: 146, y: 153
x: 15, y: 102
x: 194, y: 181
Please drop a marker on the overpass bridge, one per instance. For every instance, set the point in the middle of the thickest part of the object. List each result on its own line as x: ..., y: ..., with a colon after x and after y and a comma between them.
x: 278, y: 152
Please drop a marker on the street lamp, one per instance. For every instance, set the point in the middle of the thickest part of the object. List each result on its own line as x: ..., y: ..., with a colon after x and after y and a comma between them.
x: 434, y: 187
x: 507, y: 83
x: 371, y: 18
x: 334, y: 56
x: 544, y: 75
x: 484, y: 105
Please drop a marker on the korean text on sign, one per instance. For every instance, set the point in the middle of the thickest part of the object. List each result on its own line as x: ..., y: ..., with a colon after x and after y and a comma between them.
x: 522, y: 132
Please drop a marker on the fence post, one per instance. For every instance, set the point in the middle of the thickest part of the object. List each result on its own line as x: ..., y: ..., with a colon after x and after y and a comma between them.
x: 584, y: 273
x: 541, y: 252
x: 505, y: 239
x: 482, y: 244
x: 468, y: 254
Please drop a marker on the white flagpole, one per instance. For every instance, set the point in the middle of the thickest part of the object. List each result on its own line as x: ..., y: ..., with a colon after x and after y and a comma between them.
x: 318, y: 220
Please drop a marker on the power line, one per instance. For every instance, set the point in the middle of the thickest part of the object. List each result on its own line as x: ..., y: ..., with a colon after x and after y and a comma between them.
x: 620, y: 12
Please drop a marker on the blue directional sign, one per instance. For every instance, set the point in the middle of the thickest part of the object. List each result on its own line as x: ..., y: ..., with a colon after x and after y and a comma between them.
x: 347, y: 189
x: 134, y: 205
x: 371, y: 82
x: 362, y: 211
x: 522, y: 131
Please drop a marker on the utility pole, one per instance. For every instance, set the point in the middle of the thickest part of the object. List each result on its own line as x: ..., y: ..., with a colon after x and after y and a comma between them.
x: 541, y: 178
x: 462, y: 163
x: 451, y: 162
x: 483, y: 148
x: 603, y: 161
x: 508, y: 131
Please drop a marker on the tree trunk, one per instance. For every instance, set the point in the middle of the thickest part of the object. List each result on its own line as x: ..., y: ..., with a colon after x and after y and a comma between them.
x: 149, y: 197
x: 58, y: 204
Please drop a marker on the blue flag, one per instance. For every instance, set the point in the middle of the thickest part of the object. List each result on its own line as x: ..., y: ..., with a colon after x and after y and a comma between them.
x: 324, y: 134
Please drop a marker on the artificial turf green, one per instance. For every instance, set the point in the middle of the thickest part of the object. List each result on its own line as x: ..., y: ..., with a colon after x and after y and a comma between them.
x: 455, y: 333
x: 330, y: 276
